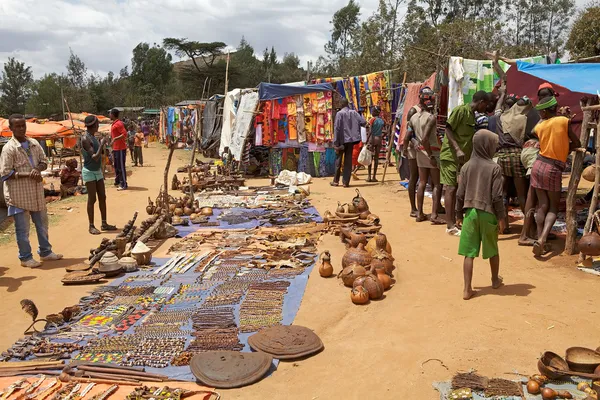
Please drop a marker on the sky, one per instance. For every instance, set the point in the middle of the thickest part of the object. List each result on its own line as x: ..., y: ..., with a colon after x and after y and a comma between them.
x: 103, y: 33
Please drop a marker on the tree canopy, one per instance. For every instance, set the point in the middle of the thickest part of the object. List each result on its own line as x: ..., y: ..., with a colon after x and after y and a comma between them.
x: 584, y: 40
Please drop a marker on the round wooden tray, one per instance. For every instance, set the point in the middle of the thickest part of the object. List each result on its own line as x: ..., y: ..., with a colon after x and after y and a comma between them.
x: 81, y: 278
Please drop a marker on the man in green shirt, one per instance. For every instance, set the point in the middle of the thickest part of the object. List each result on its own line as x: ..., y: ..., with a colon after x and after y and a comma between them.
x: 456, y: 151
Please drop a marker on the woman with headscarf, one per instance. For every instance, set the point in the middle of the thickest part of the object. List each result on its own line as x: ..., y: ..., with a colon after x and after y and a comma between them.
x: 557, y: 140
x: 510, y: 127
x: 480, y: 199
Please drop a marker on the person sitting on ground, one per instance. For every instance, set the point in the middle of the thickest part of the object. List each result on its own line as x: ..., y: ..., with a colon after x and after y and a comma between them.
x: 376, y: 128
x: 480, y: 199
x: 138, y: 157
x: 557, y: 140
x: 69, y: 179
x: 93, y: 178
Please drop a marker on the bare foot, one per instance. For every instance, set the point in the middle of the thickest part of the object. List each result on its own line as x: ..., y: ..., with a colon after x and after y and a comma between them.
x: 469, y: 294
x: 414, y: 213
x: 498, y: 283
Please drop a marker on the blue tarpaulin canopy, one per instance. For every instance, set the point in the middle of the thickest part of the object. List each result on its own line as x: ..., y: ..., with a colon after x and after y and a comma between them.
x: 582, y: 78
x: 272, y: 91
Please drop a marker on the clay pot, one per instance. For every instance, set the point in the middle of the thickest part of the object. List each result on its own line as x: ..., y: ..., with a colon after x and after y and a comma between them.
x: 351, y: 273
x: 364, y: 214
x: 188, y: 211
x: 208, y: 211
x: 353, y: 239
x: 589, y: 174
x: 178, y: 211
x: 384, y: 279
x: 360, y: 203
x: 381, y: 259
x: 380, y: 242
x: 326, y: 269
x: 359, y: 295
x: 372, y: 284
x: 172, y: 207
x: 150, y: 208
x: 590, y: 244
x: 357, y: 255
x: 346, y: 208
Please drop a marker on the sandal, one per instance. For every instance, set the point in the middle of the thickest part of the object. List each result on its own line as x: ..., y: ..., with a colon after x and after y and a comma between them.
x: 94, y: 231
x: 108, y: 228
x: 334, y: 184
x: 421, y: 218
x: 438, y: 221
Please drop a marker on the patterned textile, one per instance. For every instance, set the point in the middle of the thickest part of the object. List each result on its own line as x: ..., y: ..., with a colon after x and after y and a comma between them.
x: 322, y: 165
x: 546, y: 174
x: 303, y: 162
x: 509, y: 160
x: 330, y: 162
x: 23, y: 193
x: 275, y: 161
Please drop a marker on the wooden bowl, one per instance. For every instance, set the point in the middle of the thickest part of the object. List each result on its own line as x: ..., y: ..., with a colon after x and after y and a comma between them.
x: 582, y: 359
x: 143, y: 258
x: 552, y: 365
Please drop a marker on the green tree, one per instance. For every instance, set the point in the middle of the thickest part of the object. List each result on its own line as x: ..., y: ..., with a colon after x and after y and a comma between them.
x: 584, y: 39
x: 46, y: 99
x: 76, y: 71
x: 245, y: 68
x: 151, y: 71
x: 289, y: 69
x: 15, y: 86
x: 269, y: 63
x: 345, y: 23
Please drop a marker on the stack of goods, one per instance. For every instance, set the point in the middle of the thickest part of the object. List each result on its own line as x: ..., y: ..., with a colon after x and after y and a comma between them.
x: 221, y: 176
x: 354, y: 217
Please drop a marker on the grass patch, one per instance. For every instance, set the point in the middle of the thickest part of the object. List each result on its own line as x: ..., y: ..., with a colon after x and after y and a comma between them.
x: 7, y: 232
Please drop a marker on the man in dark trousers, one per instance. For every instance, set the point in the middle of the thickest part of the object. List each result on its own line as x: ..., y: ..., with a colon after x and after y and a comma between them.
x: 118, y: 135
x: 346, y: 135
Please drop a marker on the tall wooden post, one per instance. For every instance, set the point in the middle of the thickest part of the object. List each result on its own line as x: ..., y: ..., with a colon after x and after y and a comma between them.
x: 594, y: 203
x: 576, y: 170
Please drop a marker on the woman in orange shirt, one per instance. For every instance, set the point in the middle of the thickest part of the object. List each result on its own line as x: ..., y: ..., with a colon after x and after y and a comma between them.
x: 557, y: 140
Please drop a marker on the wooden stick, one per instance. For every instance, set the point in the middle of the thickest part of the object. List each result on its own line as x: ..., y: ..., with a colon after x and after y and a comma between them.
x: 594, y: 203
x: 166, y: 181
x: 391, y: 140
x: 122, y: 372
x: 576, y: 170
x: 16, y: 364
x: 148, y: 234
x: 591, y: 108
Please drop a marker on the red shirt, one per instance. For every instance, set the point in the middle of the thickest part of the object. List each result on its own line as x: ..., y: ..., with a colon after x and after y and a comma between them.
x: 118, y: 129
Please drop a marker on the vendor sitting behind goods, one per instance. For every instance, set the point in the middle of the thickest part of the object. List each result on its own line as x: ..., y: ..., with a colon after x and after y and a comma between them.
x: 69, y: 179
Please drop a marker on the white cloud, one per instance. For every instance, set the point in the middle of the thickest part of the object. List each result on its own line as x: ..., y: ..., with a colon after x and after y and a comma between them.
x: 103, y: 33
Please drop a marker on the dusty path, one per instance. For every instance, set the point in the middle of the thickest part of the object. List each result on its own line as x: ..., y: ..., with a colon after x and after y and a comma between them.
x: 375, y: 351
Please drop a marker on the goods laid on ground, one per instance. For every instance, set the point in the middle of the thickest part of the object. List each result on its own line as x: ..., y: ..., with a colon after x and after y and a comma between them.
x: 221, y: 294
x: 576, y: 376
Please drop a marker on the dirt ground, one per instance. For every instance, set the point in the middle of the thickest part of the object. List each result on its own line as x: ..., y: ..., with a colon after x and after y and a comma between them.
x: 376, y: 351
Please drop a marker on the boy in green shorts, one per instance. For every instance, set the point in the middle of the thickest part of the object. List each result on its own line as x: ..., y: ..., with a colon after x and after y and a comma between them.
x: 456, y: 151
x: 480, y: 199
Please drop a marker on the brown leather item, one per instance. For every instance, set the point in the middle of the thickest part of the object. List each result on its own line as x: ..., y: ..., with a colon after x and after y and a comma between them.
x: 286, y: 342
x: 230, y: 369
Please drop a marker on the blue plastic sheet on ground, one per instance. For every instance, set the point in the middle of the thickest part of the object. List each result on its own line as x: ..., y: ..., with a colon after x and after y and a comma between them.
x: 582, y: 78
x: 291, y: 305
x: 184, y: 231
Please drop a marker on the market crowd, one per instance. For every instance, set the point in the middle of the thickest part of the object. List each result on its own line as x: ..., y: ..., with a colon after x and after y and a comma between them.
x: 495, y: 142
x: 23, y: 160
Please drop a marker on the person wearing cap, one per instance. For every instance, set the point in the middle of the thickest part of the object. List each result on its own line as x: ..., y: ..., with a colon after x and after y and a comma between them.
x: 427, y: 146
x: 21, y: 165
x: 557, y: 140
x: 376, y: 126
x: 118, y: 134
x: 93, y: 176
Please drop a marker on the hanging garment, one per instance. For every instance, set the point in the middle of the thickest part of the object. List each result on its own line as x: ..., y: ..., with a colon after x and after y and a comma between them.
x: 258, y: 140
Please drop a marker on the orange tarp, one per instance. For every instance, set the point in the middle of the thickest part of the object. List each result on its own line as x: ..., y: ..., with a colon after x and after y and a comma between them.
x: 81, y: 117
x: 104, y: 128
x: 48, y: 130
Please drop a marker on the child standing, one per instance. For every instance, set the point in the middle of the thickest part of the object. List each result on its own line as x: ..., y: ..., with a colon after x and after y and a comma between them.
x: 479, y: 198
x: 138, y: 157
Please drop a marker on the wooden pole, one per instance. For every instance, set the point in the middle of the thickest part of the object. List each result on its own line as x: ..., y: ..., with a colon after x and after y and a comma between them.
x: 576, y: 170
x: 199, y: 124
x: 591, y: 108
x: 594, y: 203
x: 172, y: 147
x: 226, y: 75
x: 391, y: 140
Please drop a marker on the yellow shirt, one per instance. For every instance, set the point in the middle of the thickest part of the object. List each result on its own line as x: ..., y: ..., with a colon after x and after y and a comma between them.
x: 554, y: 138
